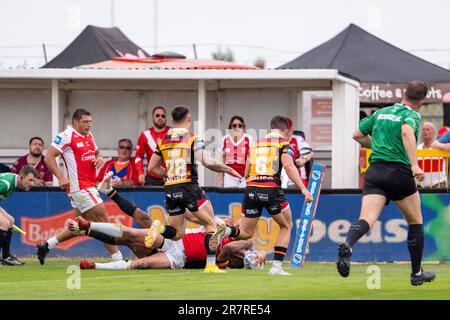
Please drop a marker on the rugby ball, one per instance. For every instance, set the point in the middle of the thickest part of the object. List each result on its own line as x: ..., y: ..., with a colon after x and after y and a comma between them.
x: 249, y: 262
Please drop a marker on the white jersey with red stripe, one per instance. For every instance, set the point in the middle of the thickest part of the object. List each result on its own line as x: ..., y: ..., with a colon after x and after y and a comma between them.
x: 78, y: 154
x: 236, y: 153
x: 146, y: 145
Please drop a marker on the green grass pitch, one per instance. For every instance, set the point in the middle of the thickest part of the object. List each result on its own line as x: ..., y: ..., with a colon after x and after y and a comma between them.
x: 314, y: 281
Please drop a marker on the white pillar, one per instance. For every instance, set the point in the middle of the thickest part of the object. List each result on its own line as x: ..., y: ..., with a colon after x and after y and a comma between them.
x: 344, y: 155
x: 55, y: 115
x: 201, y: 124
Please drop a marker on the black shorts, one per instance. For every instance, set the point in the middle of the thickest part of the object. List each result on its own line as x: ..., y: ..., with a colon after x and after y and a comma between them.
x: 393, y: 180
x: 184, y: 196
x: 257, y: 198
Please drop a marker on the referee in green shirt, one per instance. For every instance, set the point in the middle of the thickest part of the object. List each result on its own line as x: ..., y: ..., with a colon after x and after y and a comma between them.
x: 391, y: 133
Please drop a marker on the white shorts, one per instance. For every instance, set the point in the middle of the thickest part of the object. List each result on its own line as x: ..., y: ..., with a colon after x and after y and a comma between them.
x: 85, y: 199
x: 174, y: 251
x: 233, y: 182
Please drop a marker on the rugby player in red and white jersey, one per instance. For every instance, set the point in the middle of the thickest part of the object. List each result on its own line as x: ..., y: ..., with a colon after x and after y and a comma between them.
x: 146, y: 145
x: 302, y: 155
x: 81, y: 157
x: 188, y: 252
x: 234, y: 148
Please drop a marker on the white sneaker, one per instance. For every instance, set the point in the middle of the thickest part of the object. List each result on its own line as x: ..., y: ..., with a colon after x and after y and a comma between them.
x: 105, y: 186
x: 277, y: 271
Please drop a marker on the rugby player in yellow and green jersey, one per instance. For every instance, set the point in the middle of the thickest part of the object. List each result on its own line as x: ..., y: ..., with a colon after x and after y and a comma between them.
x: 9, y: 183
x: 392, y: 134
x: 179, y: 151
x: 266, y: 160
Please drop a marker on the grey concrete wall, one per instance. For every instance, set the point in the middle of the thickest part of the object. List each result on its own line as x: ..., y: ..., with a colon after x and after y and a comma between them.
x: 24, y: 114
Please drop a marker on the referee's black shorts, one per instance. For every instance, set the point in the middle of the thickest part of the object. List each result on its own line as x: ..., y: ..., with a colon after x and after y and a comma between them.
x: 393, y: 180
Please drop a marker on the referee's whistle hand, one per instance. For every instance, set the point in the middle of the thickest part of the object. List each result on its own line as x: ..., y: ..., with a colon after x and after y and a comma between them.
x: 418, y: 173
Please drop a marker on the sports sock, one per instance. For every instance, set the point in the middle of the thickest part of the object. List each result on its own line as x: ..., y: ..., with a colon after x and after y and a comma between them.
x: 125, y: 205
x: 116, y: 265
x: 117, y: 256
x: 169, y: 232
x: 111, y: 229
x: 356, y: 231
x: 7, y: 244
x: 415, y: 246
x: 52, y: 242
x: 232, y: 232
x: 101, y: 236
x: 210, y: 259
x: 278, y: 254
x: 3, y: 235
x: 206, y: 243
x: 164, y: 245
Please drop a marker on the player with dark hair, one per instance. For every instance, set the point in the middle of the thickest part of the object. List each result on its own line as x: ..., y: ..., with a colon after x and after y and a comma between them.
x: 9, y: 183
x: 81, y: 156
x: 178, y: 152
x: 188, y: 252
x: 391, y: 133
x: 266, y: 160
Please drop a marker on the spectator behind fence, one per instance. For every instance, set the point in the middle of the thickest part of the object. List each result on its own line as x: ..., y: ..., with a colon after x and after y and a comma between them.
x: 35, y: 158
x: 146, y: 145
x: 123, y: 167
x: 303, y: 155
x: 234, y: 148
x: 434, y: 168
x: 4, y: 168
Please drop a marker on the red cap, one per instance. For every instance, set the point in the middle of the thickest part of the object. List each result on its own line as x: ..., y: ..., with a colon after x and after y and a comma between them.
x: 443, y: 131
x: 289, y: 122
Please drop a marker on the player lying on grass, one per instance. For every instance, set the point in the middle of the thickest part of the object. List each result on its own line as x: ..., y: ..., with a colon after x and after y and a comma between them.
x: 189, y: 252
x: 9, y: 183
x: 130, y: 208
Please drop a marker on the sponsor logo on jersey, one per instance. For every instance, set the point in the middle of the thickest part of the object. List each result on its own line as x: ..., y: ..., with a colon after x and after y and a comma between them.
x: 57, y: 140
x: 391, y: 117
x: 88, y: 156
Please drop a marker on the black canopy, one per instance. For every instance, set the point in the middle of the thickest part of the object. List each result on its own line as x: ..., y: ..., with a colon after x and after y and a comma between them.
x: 93, y: 45
x: 370, y: 59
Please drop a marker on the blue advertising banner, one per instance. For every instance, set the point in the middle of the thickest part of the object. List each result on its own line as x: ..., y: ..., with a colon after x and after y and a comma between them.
x: 42, y: 213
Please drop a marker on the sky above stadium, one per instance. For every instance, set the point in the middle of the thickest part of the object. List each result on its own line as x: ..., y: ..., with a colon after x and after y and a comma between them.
x: 276, y: 31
